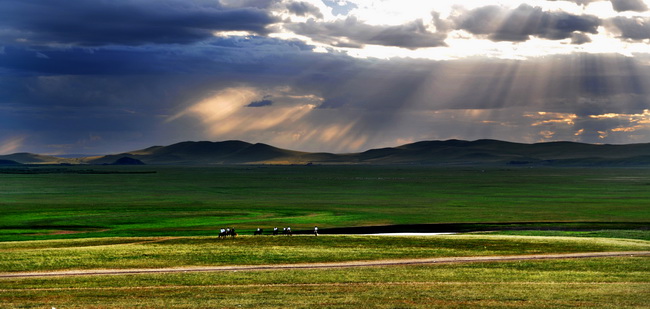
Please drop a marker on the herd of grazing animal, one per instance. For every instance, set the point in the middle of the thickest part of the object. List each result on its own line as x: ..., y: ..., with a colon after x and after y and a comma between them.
x: 230, y: 232
x: 223, y: 233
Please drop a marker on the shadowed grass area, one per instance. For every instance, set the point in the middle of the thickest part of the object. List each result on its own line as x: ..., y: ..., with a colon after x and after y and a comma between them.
x: 593, y: 283
x: 124, y: 253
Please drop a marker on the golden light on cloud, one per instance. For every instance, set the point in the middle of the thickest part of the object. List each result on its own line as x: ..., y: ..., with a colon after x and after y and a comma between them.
x: 603, y: 134
x: 608, y: 115
x: 627, y: 129
x: 245, y: 120
x: 223, y: 104
x: 633, y: 122
x: 231, y: 112
x: 644, y: 117
x: 547, y: 134
x: 610, y: 125
x: 285, y: 119
x: 11, y: 144
x: 548, y: 118
x: 340, y: 137
x: 279, y: 116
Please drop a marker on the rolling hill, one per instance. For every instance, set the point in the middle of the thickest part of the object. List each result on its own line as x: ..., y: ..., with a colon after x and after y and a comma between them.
x: 228, y: 152
x: 449, y: 152
x: 30, y: 158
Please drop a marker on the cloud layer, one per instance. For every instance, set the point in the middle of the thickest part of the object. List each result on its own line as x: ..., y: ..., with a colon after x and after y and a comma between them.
x: 519, y: 24
x: 106, y: 76
x: 128, y: 22
x: 351, y: 32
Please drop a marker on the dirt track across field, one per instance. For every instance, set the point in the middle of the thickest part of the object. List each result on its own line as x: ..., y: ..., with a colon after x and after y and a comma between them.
x: 398, y: 262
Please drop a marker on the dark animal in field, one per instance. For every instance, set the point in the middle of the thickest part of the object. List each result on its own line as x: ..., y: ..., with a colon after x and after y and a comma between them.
x: 258, y: 232
x: 275, y: 231
x: 287, y: 231
x: 227, y: 232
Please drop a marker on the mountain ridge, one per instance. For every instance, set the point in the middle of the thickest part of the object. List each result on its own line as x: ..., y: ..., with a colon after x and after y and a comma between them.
x: 435, y: 152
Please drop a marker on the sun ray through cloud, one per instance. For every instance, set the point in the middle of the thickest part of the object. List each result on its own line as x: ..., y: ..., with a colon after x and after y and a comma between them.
x: 319, y: 75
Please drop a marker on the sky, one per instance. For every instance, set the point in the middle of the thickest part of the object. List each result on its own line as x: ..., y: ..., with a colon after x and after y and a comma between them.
x: 109, y: 76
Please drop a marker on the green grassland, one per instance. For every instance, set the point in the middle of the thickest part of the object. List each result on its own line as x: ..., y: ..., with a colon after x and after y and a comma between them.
x: 626, y: 234
x: 116, y: 217
x: 589, y: 283
x: 594, y: 283
x: 153, y: 252
x: 194, y: 201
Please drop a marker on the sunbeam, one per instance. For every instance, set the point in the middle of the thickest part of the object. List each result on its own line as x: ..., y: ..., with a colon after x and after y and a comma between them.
x: 317, y: 75
x: 11, y: 144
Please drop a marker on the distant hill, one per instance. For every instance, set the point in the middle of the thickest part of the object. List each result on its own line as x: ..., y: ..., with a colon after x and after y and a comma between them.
x: 127, y: 161
x: 449, y: 152
x: 507, y: 153
x: 228, y: 152
x: 9, y: 162
x: 30, y: 158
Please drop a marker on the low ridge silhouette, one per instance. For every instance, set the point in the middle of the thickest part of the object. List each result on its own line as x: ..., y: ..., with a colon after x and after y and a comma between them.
x: 449, y: 152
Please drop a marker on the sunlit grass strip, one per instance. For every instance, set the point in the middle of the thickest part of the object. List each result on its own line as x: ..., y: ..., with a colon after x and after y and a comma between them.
x: 129, y: 253
x: 330, y: 265
x: 627, y: 234
x: 593, y: 283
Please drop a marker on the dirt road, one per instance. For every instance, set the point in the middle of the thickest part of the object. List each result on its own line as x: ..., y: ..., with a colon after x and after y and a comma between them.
x: 398, y: 262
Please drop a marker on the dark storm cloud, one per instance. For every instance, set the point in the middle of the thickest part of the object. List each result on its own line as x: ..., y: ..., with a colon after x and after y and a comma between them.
x: 55, y: 112
x: 213, y: 56
x: 132, y: 22
x: 304, y: 9
x: 260, y: 103
x: 519, y: 24
x: 117, y: 79
x: 351, y: 32
x: 633, y: 28
x: 629, y: 5
x: 78, y: 61
x: 260, y: 4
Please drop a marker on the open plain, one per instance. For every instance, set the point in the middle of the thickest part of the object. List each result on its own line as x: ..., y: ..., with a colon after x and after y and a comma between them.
x: 45, y: 202
x: 99, y: 219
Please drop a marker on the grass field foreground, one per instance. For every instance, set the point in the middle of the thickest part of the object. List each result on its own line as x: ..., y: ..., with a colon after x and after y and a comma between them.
x: 152, y: 252
x: 591, y: 283
x: 169, y: 218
